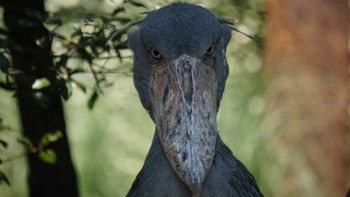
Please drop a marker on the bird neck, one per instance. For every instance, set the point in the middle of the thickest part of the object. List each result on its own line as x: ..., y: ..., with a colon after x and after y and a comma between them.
x: 226, y: 176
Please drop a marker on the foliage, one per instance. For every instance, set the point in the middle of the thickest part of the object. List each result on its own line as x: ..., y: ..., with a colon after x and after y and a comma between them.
x: 84, y: 50
x: 42, y: 149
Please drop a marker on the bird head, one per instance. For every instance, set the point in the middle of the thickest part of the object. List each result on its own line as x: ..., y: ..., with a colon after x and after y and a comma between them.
x: 180, y: 71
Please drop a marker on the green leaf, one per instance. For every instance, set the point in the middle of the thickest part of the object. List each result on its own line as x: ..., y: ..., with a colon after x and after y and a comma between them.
x: 137, y: 4
x: 13, y: 71
x: 3, y: 143
x: 26, y: 142
x: 40, y: 83
x: 60, y: 36
x: 118, y: 10
x: 55, y: 21
x: 41, y: 99
x: 76, y: 32
x: 48, y: 156
x: 4, y: 63
x: 5, y: 127
x: 4, y: 179
x: 50, y: 137
x: 65, y: 88
x: 80, y: 86
x: 92, y: 100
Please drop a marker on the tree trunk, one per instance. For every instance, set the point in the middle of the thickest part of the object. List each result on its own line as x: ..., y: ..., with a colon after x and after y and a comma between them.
x: 306, y: 65
x: 40, y: 110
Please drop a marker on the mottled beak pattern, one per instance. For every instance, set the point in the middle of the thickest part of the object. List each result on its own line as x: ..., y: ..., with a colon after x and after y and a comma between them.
x: 183, y: 95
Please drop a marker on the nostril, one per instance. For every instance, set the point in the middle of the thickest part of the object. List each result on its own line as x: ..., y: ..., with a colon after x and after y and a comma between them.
x: 187, y: 65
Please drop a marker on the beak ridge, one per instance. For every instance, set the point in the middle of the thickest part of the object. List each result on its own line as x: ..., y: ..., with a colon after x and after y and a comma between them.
x: 185, y: 69
x: 184, y: 110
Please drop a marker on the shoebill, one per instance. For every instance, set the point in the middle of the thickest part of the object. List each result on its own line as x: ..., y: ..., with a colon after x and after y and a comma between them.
x: 180, y: 70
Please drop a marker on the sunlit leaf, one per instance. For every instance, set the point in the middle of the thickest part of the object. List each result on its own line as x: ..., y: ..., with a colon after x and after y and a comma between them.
x: 92, y: 100
x: 26, y: 142
x: 40, y: 83
x: 48, y: 156
x: 137, y: 3
x: 53, y: 137
x: 4, y: 179
x: 50, y: 137
x: 4, y: 63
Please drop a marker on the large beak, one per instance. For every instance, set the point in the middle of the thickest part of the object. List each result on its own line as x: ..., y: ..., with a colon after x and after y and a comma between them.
x: 183, y: 94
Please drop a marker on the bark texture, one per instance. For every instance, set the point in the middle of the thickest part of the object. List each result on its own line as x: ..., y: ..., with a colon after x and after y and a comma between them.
x: 41, y: 111
x: 306, y: 65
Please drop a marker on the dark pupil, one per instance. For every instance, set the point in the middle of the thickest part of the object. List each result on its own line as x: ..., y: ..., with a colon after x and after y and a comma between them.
x: 209, y: 50
x: 155, y: 53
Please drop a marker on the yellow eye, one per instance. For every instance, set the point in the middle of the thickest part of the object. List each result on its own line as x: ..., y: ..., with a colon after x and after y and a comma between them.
x: 156, y: 54
x: 210, y: 50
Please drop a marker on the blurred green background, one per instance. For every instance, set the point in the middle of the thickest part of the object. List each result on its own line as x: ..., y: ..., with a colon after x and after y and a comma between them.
x: 110, y: 142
